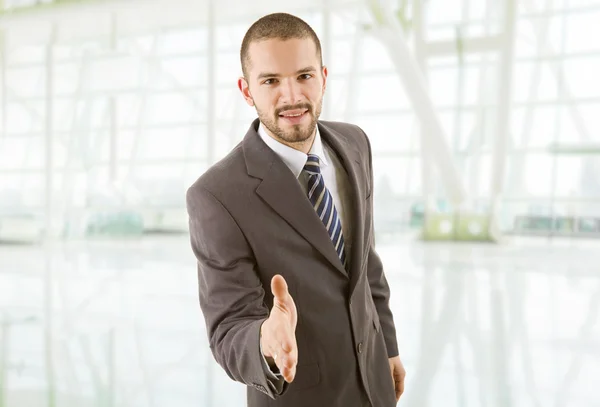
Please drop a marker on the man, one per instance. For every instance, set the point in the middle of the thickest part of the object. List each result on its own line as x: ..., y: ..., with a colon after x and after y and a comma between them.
x: 292, y: 291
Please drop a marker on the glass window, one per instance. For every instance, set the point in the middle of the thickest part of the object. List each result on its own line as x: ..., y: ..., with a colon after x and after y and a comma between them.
x: 390, y: 134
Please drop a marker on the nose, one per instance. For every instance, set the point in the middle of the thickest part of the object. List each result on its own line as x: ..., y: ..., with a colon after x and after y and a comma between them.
x: 291, y: 92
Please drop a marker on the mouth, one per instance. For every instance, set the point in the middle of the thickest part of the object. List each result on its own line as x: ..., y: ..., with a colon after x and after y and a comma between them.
x: 294, y: 116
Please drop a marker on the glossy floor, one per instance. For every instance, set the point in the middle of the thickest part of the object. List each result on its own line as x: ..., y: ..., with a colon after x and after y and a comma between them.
x: 118, y: 324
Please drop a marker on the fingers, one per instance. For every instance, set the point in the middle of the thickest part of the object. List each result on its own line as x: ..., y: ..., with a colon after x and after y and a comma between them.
x: 399, y: 383
x: 286, y: 362
x: 280, y: 333
x: 279, y: 342
x: 286, y: 352
x: 283, y: 303
x: 398, y: 387
x: 279, y: 289
x: 283, y: 351
x: 398, y: 374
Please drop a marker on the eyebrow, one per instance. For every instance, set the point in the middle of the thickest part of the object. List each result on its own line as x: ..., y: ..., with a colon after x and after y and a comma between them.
x: 274, y: 75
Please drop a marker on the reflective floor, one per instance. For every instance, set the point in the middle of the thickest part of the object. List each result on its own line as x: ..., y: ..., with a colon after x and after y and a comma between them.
x: 118, y: 324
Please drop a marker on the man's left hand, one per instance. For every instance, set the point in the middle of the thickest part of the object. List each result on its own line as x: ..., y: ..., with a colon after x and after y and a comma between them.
x: 398, y: 374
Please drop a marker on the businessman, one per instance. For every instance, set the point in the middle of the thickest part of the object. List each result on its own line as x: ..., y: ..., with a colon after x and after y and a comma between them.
x: 293, y: 293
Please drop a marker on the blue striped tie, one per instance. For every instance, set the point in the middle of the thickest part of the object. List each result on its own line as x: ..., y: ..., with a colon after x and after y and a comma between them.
x: 322, y: 201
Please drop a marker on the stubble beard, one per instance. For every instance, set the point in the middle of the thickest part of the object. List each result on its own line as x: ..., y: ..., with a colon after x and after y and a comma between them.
x: 298, y: 134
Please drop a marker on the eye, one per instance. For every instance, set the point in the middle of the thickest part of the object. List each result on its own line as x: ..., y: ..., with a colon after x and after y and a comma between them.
x: 269, y: 81
x: 305, y: 76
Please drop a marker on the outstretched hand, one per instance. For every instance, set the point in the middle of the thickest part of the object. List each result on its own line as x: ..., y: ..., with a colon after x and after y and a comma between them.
x: 278, y: 332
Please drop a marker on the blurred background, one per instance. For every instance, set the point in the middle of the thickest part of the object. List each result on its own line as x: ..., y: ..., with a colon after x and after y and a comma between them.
x: 484, y: 116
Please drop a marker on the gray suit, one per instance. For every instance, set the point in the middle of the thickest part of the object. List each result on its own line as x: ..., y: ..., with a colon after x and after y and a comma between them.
x: 250, y: 220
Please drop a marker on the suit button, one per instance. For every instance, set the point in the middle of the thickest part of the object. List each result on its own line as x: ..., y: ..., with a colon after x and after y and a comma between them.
x: 360, y: 347
x: 350, y: 302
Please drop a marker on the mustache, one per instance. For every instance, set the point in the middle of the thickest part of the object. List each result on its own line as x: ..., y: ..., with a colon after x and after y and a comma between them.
x: 306, y: 106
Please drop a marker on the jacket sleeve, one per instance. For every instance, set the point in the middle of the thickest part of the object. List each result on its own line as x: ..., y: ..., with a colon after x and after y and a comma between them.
x: 230, y: 291
x: 380, y: 289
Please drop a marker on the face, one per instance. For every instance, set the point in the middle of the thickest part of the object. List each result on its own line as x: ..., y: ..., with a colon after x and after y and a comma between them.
x: 285, y: 83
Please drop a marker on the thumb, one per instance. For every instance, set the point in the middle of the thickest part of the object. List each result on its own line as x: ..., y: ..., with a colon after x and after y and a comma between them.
x: 279, y: 289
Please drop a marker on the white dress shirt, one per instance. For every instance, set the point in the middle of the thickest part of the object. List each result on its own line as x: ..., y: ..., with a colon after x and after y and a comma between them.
x: 336, y: 181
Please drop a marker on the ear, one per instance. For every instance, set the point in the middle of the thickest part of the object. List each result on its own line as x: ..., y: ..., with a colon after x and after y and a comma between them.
x: 324, y: 73
x: 245, y: 89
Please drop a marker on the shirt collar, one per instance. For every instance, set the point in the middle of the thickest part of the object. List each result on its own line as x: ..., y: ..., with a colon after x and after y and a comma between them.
x: 294, y: 159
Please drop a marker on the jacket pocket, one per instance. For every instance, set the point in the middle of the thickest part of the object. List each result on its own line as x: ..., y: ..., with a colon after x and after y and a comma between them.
x: 376, y: 322
x: 307, y: 376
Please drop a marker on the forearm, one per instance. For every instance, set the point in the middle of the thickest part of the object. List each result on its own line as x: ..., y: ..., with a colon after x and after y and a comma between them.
x: 234, y: 345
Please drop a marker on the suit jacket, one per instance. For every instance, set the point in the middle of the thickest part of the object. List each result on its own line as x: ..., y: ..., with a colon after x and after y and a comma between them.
x: 250, y: 220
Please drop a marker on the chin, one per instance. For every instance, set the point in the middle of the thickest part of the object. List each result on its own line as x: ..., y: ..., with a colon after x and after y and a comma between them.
x: 302, y: 137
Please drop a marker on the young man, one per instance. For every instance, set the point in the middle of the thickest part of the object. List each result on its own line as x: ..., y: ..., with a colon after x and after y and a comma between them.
x: 294, y: 295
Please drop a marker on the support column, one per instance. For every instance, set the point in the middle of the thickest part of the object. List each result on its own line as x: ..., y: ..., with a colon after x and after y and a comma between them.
x: 504, y: 106
x: 211, y: 86
x: 50, y: 231
x: 426, y: 160
x: 3, y: 83
x: 327, y: 45
x: 49, y: 136
x: 112, y: 111
x: 353, y: 79
x: 4, y: 335
x: 389, y: 31
x: 49, y: 327
x: 209, y: 399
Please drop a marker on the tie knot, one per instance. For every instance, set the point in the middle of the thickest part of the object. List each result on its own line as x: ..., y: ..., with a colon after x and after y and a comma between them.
x: 312, y: 165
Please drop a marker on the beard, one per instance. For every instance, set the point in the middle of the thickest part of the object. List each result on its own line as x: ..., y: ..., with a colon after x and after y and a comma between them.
x: 298, y: 133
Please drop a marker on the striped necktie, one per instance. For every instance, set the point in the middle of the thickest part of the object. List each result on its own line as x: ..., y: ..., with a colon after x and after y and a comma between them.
x: 322, y: 201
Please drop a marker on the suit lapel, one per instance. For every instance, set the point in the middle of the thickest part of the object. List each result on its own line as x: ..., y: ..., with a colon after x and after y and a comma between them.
x: 282, y: 192
x: 350, y: 160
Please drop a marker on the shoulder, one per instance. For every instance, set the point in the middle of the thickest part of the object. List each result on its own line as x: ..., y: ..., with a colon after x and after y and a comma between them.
x: 227, y: 174
x: 344, y: 127
x: 350, y: 132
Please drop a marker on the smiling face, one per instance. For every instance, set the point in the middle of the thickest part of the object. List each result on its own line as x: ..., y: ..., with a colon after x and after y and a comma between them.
x: 285, y: 82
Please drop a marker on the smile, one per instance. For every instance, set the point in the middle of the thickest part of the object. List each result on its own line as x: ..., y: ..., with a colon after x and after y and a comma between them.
x: 293, y: 113
x: 294, y: 118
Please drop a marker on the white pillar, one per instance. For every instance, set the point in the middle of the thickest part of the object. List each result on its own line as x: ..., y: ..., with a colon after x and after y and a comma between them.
x: 391, y: 34
x: 4, y: 336
x: 49, y: 222
x: 112, y: 110
x: 211, y: 84
x: 504, y: 104
x: 327, y: 48
x: 210, y: 155
x: 48, y: 141
x: 3, y: 84
x: 427, y: 179
x: 353, y: 81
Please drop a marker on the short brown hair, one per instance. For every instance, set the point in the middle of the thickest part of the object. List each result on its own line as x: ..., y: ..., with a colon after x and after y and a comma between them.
x: 280, y: 26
